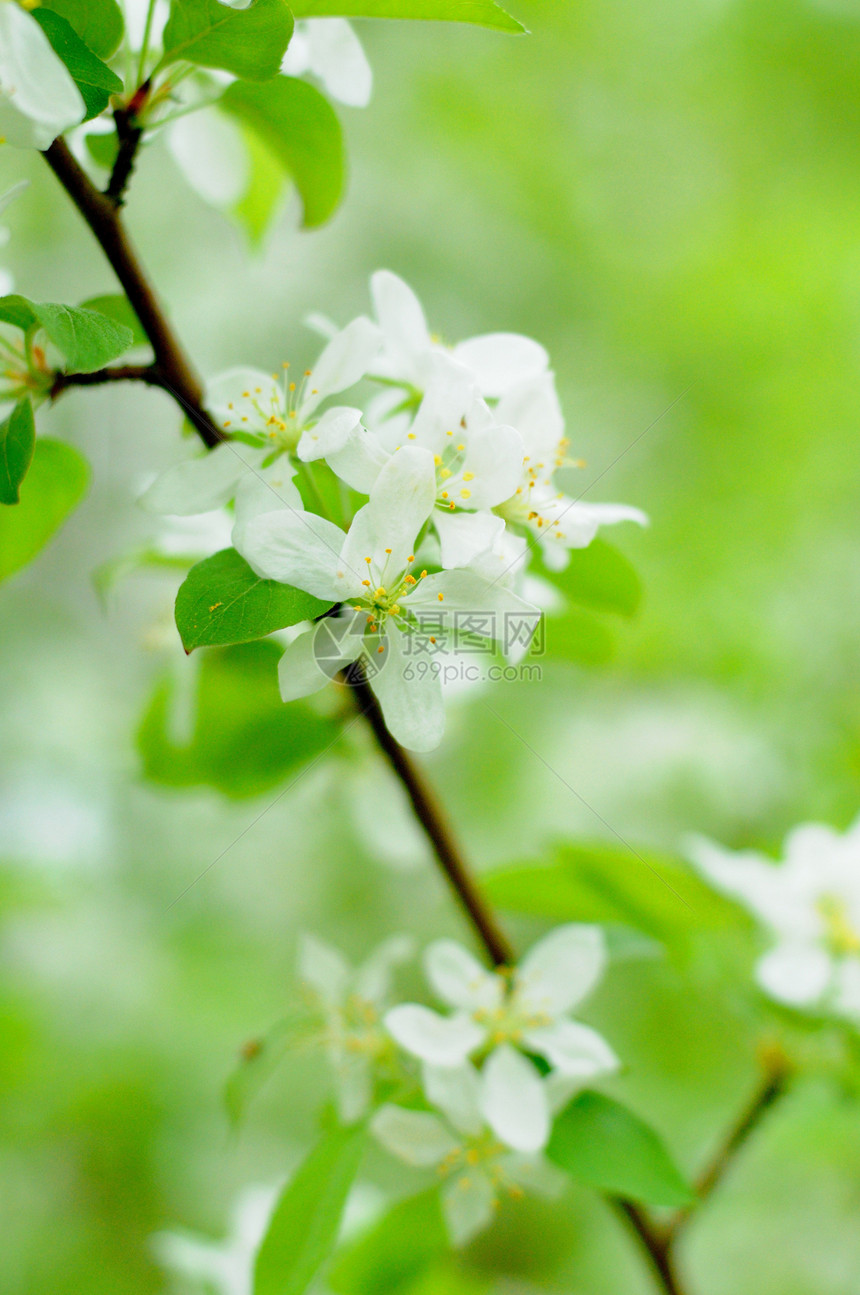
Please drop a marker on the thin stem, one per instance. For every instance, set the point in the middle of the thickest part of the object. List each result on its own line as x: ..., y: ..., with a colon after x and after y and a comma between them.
x: 655, y: 1245
x: 172, y: 367
x: 144, y: 47
x: 117, y: 373
x: 430, y: 815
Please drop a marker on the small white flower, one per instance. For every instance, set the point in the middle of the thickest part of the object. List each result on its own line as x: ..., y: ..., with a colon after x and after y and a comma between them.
x: 496, y: 360
x: 352, y: 1001
x: 536, y: 504
x: 329, y: 49
x: 526, y: 1008
x: 274, y: 413
x: 226, y: 1266
x: 476, y: 1161
x: 478, y: 461
x: 810, y: 904
x: 370, y: 570
x: 38, y: 98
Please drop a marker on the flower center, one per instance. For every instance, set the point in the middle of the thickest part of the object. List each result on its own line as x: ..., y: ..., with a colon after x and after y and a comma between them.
x: 509, y: 1022
x: 385, y: 599
x: 841, y: 935
x: 274, y: 412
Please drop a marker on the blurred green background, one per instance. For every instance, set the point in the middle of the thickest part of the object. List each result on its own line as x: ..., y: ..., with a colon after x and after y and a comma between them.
x: 668, y: 196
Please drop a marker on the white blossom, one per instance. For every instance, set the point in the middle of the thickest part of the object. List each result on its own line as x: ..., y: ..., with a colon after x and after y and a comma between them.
x: 477, y: 1163
x: 224, y: 1267
x: 38, y: 98
x: 527, y: 1008
x: 273, y: 413
x: 370, y: 570
x: 352, y: 1001
x: 329, y: 50
x: 809, y: 904
x: 497, y: 360
x: 557, y: 521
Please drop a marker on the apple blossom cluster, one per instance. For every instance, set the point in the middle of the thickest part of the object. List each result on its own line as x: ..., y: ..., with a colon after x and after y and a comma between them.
x: 473, y: 1103
x: 810, y: 907
x: 444, y: 487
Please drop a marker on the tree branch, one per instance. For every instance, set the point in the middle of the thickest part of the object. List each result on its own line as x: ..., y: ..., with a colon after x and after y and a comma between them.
x: 172, y: 369
x: 147, y: 373
x: 129, y: 135
x: 656, y: 1244
x: 430, y: 815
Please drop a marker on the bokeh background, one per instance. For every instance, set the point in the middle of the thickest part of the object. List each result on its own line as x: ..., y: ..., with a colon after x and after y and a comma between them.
x: 668, y: 196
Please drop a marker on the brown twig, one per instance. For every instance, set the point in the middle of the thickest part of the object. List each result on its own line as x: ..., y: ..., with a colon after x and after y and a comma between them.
x: 147, y: 373
x: 432, y: 818
x: 129, y: 134
x: 172, y: 369
x: 656, y: 1245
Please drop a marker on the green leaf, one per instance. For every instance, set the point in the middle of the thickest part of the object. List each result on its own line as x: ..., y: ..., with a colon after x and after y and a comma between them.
x: 599, y: 577
x: 604, y: 1145
x: 243, y: 739
x: 306, y: 1220
x: 18, y: 311
x: 389, y: 1258
x: 222, y: 601
x: 17, y: 442
x: 117, y: 307
x: 610, y: 883
x: 301, y: 129
x: 93, y: 78
x: 98, y: 22
x: 102, y: 148
x: 248, y: 42
x: 258, y: 1059
x: 485, y: 13
x: 258, y: 205
x: 53, y: 487
x: 88, y: 339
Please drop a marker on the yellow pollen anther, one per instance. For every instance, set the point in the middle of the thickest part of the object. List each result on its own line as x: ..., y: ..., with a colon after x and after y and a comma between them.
x: 274, y: 377
x: 368, y: 561
x: 465, y: 494
x: 292, y: 386
x: 445, y: 474
x: 381, y: 647
x: 257, y: 390
x: 423, y: 574
x: 388, y: 550
x: 449, y: 433
x: 461, y: 446
x: 227, y: 424
x: 366, y: 583
x: 432, y: 638
x: 444, y: 494
x: 380, y: 592
x: 230, y: 404
x: 246, y: 395
x: 410, y: 436
x: 307, y: 373
x: 411, y: 557
x: 468, y: 476
x: 410, y: 580
x: 437, y: 459
x: 441, y: 597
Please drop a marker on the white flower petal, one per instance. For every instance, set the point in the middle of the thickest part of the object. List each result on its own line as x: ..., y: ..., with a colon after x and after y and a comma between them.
x: 513, y: 1100
x: 533, y: 408
x: 373, y: 978
x: 609, y: 514
x: 38, y: 98
x: 561, y: 969
x: 197, y: 485
x: 500, y: 360
x: 417, y: 1137
x: 440, y: 1040
x: 456, y: 1091
x: 410, y: 694
x: 468, y: 1204
x: 494, y: 456
x: 231, y: 397
x: 847, y: 994
x: 464, y: 537
x: 343, y: 363
x: 400, y: 502
x: 351, y: 451
x: 535, y: 1174
x: 498, y: 610
x: 401, y: 318
x: 299, y: 672
x: 264, y: 490
x: 337, y: 57
x: 797, y: 974
x: 297, y: 548
x: 324, y: 968
x: 573, y: 1048
x: 353, y: 1080
x: 459, y: 979
x: 759, y: 884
